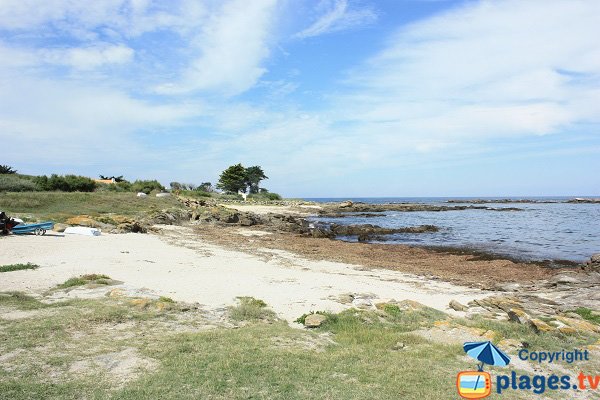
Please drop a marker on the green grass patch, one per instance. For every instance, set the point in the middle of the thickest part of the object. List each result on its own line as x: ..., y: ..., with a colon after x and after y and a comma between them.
x: 166, y: 299
x: 60, y: 206
x: 589, y: 314
x: 250, y: 309
x: 84, y: 280
x: 20, y: 301
x: 17, y: 267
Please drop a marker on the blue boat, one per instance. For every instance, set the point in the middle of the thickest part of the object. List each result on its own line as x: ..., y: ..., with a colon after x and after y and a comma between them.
x: 38, y: 229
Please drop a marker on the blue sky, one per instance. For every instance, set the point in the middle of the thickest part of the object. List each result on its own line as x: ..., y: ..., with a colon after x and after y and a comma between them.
x: 333, y: 98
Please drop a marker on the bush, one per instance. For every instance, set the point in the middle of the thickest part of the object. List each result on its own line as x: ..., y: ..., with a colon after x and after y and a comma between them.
x: 6, y: 169
x: 146, y: 186
x: 264, y: 196
x: 66, y: 183
x: 123, y: 186
x: 17, y: 183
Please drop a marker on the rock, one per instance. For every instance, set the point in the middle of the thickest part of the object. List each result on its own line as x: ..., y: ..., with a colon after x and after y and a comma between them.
x: 594, y: 263
x: 456, y: 306
x: 362, y: 303
x: 580, y: 325
x: 398, y: 346
x: 83, y: 220
x: 489, y: 334
x: 163, y: 194
x: 410, y: 305
x: 60, y: 227
x: 564, y: 279
x: 507, y: 287
x: 314, y: 320
x: 517, y: 315
x: 510, y: 344
x: 117, y: 292
x: 141, y: 194
x: 476, y: 311
x: 345, y: 204
x: 141, y: 303
x: 539, y: 326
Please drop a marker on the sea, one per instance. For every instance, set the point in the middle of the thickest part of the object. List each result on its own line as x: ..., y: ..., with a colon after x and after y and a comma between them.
x: 549, y: 229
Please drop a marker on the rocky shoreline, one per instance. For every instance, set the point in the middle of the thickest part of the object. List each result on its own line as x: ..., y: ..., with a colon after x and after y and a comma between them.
x: 529, y: 293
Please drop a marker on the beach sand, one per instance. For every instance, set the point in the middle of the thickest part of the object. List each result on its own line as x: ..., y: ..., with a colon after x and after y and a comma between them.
x: 178, y: 264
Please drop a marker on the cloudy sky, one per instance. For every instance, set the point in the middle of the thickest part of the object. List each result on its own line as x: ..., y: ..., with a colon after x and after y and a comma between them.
x: 332, y: 97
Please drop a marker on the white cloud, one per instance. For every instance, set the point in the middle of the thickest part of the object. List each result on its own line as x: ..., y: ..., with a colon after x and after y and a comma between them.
x: 339, y: 16
x: 233, y: 45
x: 86, y: 58
x: 484, y: 70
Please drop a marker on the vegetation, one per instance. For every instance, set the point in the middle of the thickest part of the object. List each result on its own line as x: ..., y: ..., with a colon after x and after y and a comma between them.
x: 254, y: 175
x: 59, y: 206
x: 236, y: 179
x: 66, y: 183
x: 589, y: 314
x: 17, y: 267
x: 117, y: 179
x: 84, y: 280
x: 250, y: 309
x: 5, y: 169
x: 147, y: 186
x: 17, y: 183
x: 233, y: 179
x: 356, y: 355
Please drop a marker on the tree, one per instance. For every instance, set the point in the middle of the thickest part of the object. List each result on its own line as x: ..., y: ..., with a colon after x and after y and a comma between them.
x: 116, y: 178
x: 254, y: 175
x: 5, y: 169
x: 205, y: 187
x: 233, y: 179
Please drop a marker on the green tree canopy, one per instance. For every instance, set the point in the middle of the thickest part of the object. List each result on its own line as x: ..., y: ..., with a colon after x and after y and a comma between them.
x: 233, y: 179
x: 254, y: 175
x: 6, y: 169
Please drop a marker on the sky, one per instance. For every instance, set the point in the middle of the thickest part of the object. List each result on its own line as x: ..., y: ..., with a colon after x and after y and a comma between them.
x: 333, y: 98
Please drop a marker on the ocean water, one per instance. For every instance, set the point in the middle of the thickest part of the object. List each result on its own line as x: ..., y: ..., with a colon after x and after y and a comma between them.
x: 542, y: 231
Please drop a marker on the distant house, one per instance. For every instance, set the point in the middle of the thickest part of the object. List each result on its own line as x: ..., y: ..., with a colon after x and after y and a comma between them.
x: 105, y: 181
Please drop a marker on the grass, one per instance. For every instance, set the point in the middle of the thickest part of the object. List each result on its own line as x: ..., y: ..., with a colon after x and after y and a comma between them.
x: 250, y: 309
x: 84, y: 280
x: 589, y: 314
x: 352, y: 356
x: 17, y: 267
x: 60, y: 206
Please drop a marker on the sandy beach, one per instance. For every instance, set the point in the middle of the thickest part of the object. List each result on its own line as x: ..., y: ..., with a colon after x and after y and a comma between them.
x: 176, y: 263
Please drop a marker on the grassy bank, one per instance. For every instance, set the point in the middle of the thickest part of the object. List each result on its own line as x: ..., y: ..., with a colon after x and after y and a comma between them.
x: 59, y: 206
x: 132, y: 349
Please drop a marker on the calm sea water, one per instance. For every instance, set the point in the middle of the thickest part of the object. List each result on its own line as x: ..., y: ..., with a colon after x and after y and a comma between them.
x: 542, y: 231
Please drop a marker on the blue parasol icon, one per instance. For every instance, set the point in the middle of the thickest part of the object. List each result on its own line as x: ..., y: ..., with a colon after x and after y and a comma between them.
x: 487, y: 353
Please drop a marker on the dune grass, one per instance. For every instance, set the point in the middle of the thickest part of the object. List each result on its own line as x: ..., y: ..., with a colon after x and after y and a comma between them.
x: 17, y: 267
x: 354, y: 355
x: 60, y: 206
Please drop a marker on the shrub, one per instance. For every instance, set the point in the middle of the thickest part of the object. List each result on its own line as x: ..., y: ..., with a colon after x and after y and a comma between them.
x: 17, y: 183
x: 17, y: 267
x: 66, y: 183
x: 265, y: 196
x: 146, y: 186
x: 6, y: 169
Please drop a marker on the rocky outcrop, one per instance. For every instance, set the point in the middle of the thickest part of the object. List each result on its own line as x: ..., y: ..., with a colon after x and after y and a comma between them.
x: 365, y: 232
x: 314, y: 320
x: 593, y: 264
x: 333, y: 208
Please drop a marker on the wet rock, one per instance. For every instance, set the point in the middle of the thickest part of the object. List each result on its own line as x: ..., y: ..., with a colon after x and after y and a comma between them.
x: 345, y: 204
x: 314, y: 320
x: 456, y: 306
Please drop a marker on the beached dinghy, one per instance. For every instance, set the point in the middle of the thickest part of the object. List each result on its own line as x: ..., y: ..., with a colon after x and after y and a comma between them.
x: 37, y: 229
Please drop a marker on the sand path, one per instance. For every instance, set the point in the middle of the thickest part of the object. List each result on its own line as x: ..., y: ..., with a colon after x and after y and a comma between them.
x: 178, y: 265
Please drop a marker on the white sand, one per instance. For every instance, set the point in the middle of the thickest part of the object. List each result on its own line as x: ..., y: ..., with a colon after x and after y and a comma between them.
x: 262, y: 209
x: 177, y: 265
